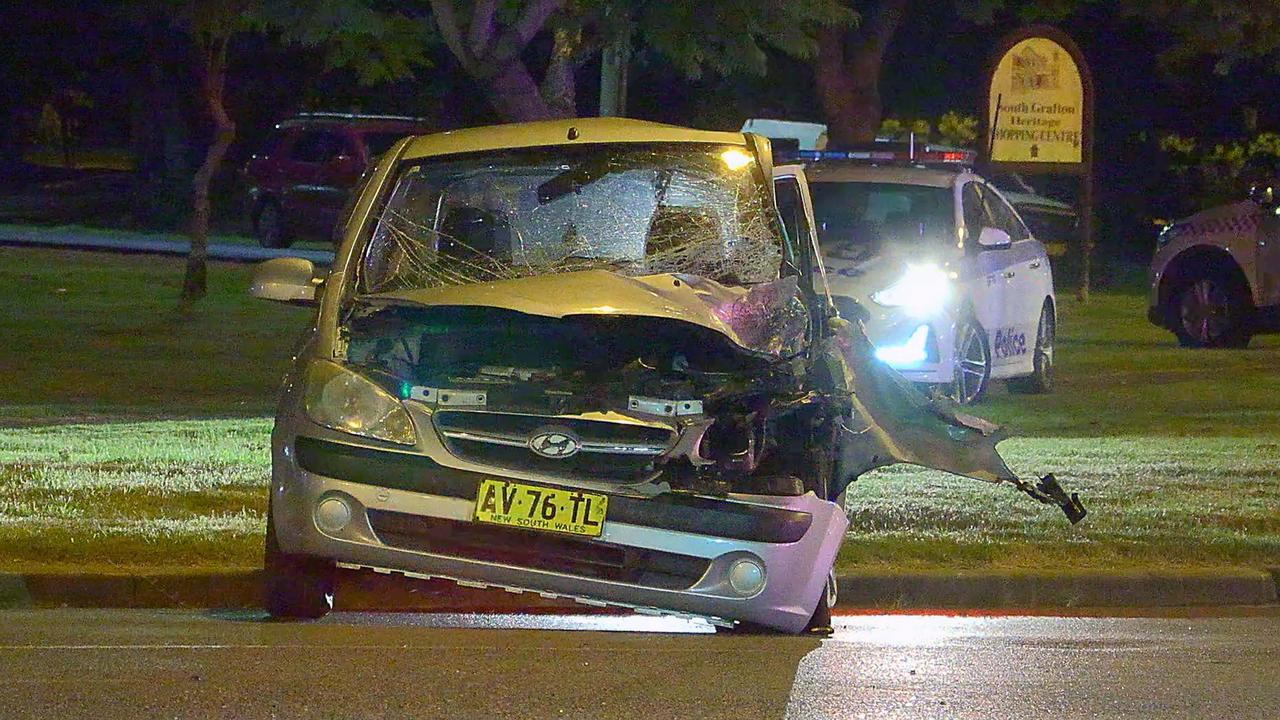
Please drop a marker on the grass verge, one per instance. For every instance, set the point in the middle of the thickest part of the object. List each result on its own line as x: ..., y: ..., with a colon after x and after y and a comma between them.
x: 97, y: 336
x: 1176, y: 453
x: 1153, y: 502
x: 193, y: 493
x: 1116, y: 374
x: 119, y: 496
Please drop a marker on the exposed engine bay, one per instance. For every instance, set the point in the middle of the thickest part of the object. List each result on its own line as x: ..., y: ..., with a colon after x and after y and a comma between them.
x: 735, y: 415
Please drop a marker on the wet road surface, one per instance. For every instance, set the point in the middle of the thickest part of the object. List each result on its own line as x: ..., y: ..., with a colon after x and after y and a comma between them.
x: 138, y: 664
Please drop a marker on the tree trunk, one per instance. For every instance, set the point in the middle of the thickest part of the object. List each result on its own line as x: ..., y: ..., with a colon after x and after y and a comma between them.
x: 64, y: 137
x: 852, y: 112
x: 559, y: 85
x: 615, y: 64
x: 847, y: 73
x: 515, y: 95
x: 195, y: 281
x: 492, y: 57
x: 11, y: 162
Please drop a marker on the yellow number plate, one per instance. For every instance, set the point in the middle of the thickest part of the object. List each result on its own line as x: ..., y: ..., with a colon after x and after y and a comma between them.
x: 502, y: 502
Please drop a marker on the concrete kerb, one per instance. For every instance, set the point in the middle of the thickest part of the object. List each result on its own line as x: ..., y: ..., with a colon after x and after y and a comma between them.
x: 367, y: 591
x: 148, y: 243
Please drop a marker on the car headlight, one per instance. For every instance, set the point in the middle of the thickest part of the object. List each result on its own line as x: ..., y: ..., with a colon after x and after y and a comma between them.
x: 1168, y: 233
x: 909, y: 354
x: 348, y: 402
x: 923, y: 290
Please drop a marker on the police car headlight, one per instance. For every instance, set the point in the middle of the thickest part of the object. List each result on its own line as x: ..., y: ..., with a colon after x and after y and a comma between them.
x: 351, y: 403
x: 922, y: 291
x: 1167, y: 234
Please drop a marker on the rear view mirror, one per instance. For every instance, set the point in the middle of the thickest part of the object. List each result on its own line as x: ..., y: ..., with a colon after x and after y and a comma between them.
x: 289, y: 280
x: 994, y: 239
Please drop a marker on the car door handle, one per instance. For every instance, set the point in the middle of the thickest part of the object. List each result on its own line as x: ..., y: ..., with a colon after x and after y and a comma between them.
x: 1009, y: 273
x: 1034, y: 265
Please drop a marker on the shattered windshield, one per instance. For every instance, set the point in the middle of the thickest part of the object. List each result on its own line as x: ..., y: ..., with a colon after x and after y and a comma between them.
x: 633, y: 209
x: 856, y: 218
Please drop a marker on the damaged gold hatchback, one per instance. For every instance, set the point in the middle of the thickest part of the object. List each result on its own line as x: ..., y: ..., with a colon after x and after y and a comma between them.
x: 589, y: 359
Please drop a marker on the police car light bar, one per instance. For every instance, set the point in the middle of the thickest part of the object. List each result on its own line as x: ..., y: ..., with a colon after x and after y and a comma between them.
x: 926, y: 156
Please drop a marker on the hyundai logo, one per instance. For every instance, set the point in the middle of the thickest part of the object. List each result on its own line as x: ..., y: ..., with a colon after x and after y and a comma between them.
x: 555, y: 442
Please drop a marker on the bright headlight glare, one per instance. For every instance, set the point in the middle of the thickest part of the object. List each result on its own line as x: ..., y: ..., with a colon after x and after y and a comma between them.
x: 1167, y: 234
x: 909, y: 354
x: 923, y: 290
x: 735, y: 159
x: 348, y: 402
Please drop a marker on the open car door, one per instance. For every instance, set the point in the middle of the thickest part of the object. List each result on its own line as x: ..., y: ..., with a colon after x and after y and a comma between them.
x: 889, y: 420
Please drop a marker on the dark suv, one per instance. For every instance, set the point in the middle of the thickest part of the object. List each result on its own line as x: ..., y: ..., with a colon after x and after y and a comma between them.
x: 299, y: 183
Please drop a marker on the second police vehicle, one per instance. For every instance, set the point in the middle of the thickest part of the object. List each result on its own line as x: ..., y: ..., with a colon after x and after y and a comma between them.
x: 951, y: 285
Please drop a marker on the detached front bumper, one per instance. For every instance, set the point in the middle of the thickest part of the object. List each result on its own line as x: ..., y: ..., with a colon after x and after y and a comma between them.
x: 674, y: 553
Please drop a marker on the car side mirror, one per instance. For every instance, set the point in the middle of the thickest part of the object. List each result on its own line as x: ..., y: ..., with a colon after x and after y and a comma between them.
x: 288, y: 280
x: 994, y: 239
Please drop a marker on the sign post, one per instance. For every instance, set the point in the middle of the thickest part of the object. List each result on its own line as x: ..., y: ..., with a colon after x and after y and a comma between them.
x: 1038, y: 118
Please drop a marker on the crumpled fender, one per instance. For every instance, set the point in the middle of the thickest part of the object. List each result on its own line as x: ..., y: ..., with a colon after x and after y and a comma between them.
x: 893, y: 422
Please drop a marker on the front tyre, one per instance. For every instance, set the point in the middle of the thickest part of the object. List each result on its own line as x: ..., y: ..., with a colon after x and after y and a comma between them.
x: 1041, y: 378
x: 298, y: 587
x: 1212, y: 311
x: 971, y: 362
x: 269, y: 226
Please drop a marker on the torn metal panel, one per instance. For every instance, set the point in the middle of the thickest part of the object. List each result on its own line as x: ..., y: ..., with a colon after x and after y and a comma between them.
x: 734, y: 312
x: 891, y: 421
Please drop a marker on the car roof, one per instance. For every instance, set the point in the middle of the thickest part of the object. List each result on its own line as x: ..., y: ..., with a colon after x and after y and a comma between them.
x: 836, y: 171
x: 580, y: 131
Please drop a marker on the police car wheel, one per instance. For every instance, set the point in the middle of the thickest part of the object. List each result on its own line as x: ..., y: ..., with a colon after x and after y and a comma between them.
x: 1041, y: 378
x: 1211, y: 311
x: 972, y: 363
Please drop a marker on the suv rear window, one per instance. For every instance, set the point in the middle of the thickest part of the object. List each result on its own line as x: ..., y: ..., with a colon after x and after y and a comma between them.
x: 317, y: 146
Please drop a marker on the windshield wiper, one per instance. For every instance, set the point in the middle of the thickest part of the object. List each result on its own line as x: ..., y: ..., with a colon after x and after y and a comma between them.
x: 572, y: 180
x: 595, y: 260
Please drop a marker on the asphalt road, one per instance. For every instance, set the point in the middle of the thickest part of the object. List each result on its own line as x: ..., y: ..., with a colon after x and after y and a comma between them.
x: 141, y: 664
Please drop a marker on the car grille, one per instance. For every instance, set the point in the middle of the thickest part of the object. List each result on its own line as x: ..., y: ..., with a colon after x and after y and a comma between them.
x: 538, y: 551
x: 610, y: 451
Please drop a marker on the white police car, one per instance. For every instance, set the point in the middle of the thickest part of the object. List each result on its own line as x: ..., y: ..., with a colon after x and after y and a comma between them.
x: 954, y: 289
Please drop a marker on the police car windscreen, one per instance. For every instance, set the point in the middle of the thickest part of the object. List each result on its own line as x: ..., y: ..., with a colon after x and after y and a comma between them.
x: 857, y: 218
